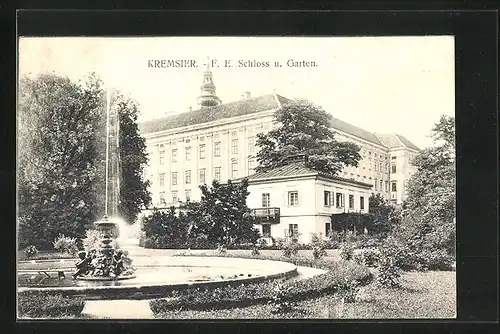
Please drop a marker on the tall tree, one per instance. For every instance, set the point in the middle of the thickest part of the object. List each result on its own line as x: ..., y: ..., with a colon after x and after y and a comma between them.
x: 223, y: 215
x: 134, y: 192
x: 305, y: 129
x: 57, y: 148
x: 61, y: 157
x: 382, y: 216
x: 429, y: 209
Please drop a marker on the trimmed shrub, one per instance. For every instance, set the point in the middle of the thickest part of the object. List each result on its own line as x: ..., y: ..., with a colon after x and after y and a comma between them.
x: 30, y: 251
x: 367, y: 257
x: 346, y: 251
x: 65, y: 244
x: 36, y: 304
x: 261, y: 293
x: 389, y: 271
x: 348, y: 290
x: 290, y: 248
x: 280, y: 302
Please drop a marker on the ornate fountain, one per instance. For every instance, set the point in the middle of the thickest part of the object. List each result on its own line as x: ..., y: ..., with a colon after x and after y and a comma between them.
x: 107, y: 262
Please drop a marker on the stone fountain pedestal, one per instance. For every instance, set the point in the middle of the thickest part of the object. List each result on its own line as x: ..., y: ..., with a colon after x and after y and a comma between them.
x: 103, y: 262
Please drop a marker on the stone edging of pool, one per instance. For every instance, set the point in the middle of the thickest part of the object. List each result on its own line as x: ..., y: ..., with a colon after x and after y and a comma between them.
x: 270, y: 270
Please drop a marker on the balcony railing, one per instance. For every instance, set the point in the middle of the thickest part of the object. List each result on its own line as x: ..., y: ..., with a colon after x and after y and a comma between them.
x: 266, y: 215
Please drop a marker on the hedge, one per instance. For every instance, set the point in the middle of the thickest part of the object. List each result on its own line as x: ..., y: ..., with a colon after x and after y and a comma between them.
x: 258, y: 293
x: 37, y: 304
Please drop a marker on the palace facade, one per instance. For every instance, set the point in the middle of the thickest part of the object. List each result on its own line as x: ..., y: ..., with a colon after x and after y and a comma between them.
x: 218, y: 141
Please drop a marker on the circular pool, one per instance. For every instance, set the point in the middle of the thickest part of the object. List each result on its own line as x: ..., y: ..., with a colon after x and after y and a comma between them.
x: 155, y: 276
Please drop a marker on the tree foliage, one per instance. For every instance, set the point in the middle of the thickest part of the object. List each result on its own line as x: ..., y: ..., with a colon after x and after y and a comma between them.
x: 429, y: 209
x: 61, y: 145
x: 222, y: 215
x: 382, y: 216
x: 134, y: 192
x: 305, y: 129
x: 166, y: 229
x: 57, y: 148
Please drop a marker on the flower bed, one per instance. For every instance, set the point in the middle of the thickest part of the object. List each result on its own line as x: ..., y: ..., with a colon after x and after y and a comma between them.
x: 257, y: 293
x: 36, y: 304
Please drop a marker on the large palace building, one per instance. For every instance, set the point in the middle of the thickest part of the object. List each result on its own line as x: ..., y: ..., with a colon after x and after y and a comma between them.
x: 218, y: 141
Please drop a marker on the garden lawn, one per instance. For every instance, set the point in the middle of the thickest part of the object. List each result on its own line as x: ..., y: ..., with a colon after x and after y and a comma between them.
x: 423, y: 295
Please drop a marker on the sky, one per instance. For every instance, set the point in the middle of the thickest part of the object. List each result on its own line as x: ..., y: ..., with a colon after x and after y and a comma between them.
x: 381, y: 84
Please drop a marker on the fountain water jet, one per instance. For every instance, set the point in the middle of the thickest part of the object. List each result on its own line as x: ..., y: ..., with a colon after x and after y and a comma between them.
x: 106, y: 262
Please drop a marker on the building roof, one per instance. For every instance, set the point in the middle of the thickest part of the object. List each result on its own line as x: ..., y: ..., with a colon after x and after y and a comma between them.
x: 259, y: 104
x: 393, y: 140
x: 208, y: 114
x: 355, y: 131
x: 407, y: 143
x: 296, y: 169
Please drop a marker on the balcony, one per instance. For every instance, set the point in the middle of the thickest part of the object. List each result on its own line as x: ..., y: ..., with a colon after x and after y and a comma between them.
x: 266, y: 215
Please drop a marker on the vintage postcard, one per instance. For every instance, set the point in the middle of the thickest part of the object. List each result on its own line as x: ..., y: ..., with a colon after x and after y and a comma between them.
x: 236, y: 178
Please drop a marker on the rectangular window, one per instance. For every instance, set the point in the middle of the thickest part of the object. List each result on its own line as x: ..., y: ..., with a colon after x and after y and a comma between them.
x: 217, y: 173
x: 187, y: 177
x: 351, y: 201
x: 266, y: 231
x: 162, y: 198
x: 393, y: 158
x: 251, y: 166
x: 293, y: 230
x: 217, y: 149
x: 188, y: 153
x: 380, y: 166
x: 339, y: 199
x: 386, y: 186
x: 174, y: 178
x: 234, y: 169
x: 327, y: 198
x: 328, y: 228
x: 162, y: 157
x: 293, y: 198
x: 174, y: 155
x: 187, y: 193
x: 202, y: 151
x: 162, y: 180
x: 381, y: 183
x: 251, y: 145
x: 202, y: 175
x: 375, y: 184
x: 393, y: 186
x: 393, y: 168
x: 175, y: 198
x: 266, y: 200
x: 234, y: 146
x: 361, y: 202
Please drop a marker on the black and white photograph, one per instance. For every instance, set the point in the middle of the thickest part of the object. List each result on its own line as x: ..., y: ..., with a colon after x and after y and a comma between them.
x: 209, y: 177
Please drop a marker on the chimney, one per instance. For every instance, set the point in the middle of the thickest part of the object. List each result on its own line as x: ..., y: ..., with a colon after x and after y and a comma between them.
x: 245, y: 95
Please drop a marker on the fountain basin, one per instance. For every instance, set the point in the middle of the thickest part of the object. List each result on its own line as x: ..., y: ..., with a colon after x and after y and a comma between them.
x: 164, y: 274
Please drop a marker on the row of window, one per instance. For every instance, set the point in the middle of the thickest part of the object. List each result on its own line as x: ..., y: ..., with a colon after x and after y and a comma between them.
x: 202, y: 173
x: 202, y: 150
x: 175, y: 196
x: 293, y: 199
x: 291, y: 232
x: 338, y: 199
